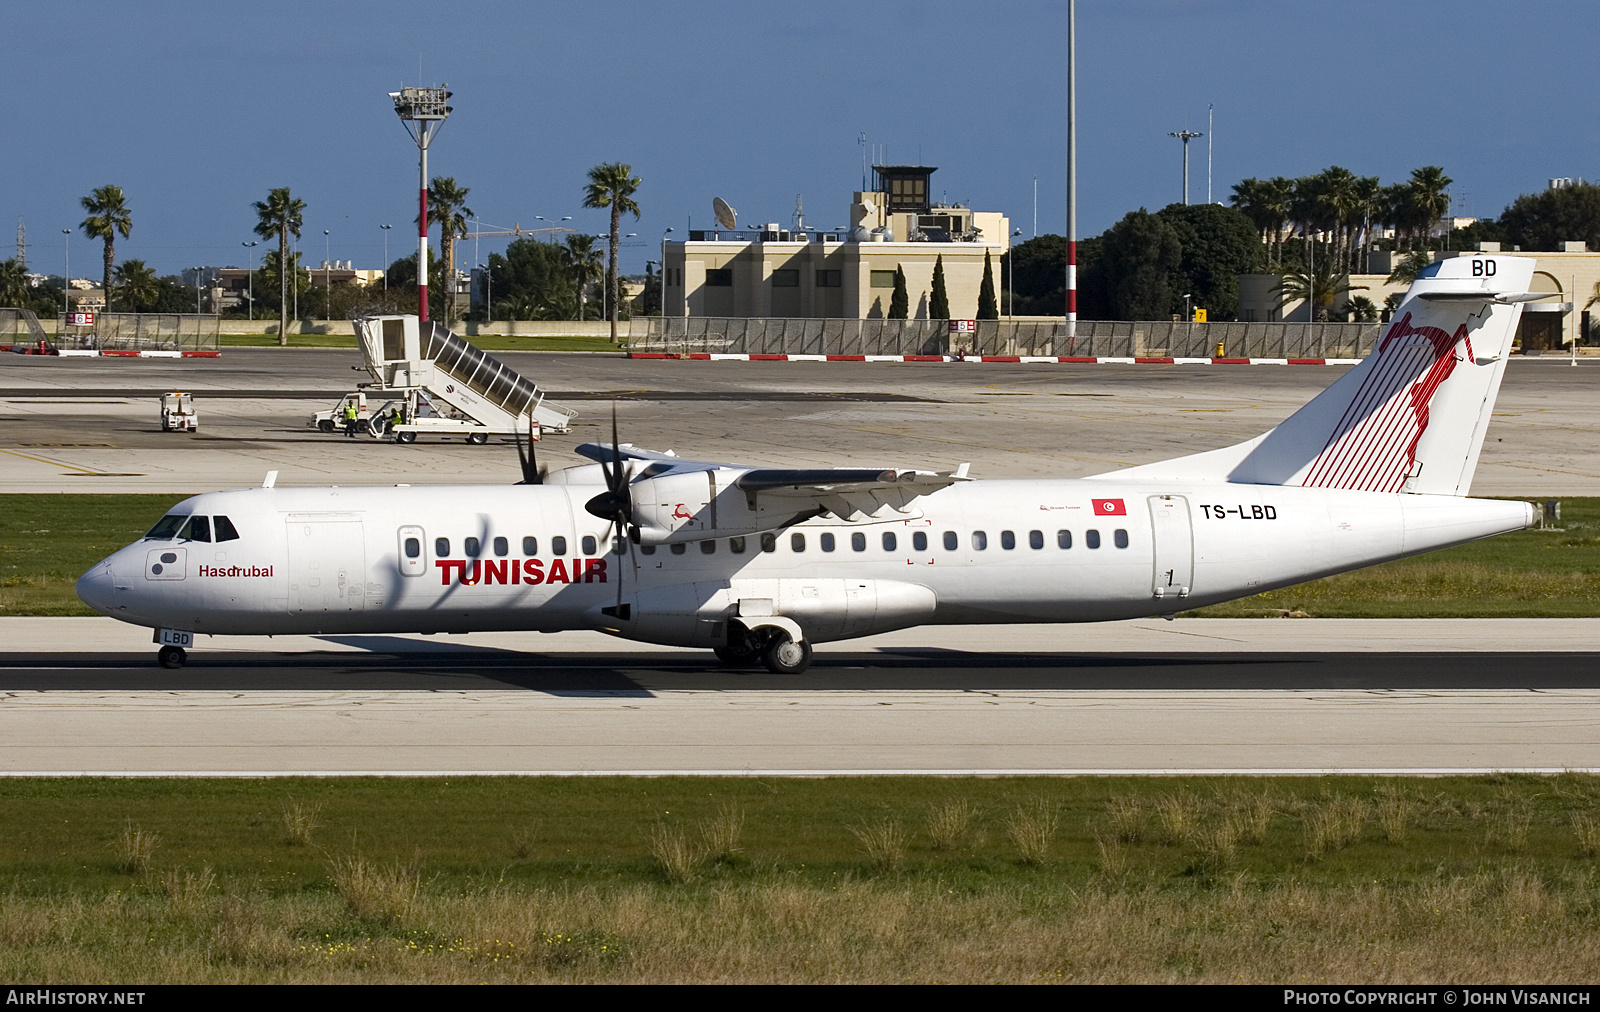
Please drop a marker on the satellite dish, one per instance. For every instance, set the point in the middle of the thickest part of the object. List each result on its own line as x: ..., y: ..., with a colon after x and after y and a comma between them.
x: 726, y: 216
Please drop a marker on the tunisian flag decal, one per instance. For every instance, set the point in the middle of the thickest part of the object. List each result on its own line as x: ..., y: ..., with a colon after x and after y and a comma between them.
x: 1109, y: 507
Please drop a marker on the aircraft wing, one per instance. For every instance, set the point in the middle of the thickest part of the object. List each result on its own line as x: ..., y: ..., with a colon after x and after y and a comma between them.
x: 850, y: 493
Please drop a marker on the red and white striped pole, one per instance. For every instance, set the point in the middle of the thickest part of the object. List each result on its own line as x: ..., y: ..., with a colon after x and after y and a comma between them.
x: 1072, y: 169
x: 422, y: 241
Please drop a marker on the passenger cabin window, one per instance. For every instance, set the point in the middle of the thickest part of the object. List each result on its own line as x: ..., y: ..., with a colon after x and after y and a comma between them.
x: 1091, y: 539
x: 797, y: 542
x: 919, y: 541
x: 858, y: 542
x: 619, y: 545
x: 441, y: 547
x: 167, y: 526
x: 223, y: 529
x: 413, y: 547
x: 950, y: 542
x: 679, y: 548
x: 471, y: 546
x: 736, y: 545
x: 769, y: 542
x: 889, y: 541
x: 589, y: 544
x: 647, y: 549
x: 197, y: 529
x: 1120, y: 538
x: 826, y: 542
x: 1036, y: 539
x: 502, y: 547
x: 1063, y: 539
x: 530, y: 546
x: 708, y: 548
x: 558, y: 545
x: 1008, y: 540
x: 980, y: 540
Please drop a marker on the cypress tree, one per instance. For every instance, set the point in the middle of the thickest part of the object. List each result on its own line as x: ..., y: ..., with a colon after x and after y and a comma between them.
x: 939, y: 302
x: 988, y: 307
x: 900, y: 301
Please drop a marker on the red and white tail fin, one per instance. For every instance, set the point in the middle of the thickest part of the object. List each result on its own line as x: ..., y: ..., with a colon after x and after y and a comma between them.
x: 1412, y: 416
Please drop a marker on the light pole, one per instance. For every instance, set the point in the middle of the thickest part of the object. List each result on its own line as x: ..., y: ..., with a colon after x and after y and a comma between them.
x: 66, y: 282
x: 423, y: 111
x: 1185, y: 136
x: 663, y: 279
x: 488, y: 298
x: 386, y: 229
x: 1188, y: 313
x: 251, y: 298
x: 1011, y: 271
x: 196, y: 291
x: 327, y: 280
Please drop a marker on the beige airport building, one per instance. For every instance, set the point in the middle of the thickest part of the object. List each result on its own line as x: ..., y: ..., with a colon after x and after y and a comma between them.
x: 807, y: 273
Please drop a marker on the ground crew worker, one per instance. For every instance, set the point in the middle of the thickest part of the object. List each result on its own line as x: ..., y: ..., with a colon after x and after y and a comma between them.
x: 350, y: 419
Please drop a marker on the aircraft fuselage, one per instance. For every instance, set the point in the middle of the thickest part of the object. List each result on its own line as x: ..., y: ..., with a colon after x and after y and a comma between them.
x: 465, y: 559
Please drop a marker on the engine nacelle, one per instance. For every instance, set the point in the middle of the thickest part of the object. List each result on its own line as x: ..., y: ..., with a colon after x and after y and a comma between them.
x: 699, y: 614
x: 696, y: 505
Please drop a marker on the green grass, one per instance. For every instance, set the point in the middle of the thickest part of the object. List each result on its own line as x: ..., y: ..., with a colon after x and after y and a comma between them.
x: 506, y: 879
x: 488, y: 342
x: 47, y: 541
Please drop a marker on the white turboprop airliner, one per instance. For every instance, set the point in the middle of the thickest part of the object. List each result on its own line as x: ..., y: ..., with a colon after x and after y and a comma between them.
x: 760, y: 563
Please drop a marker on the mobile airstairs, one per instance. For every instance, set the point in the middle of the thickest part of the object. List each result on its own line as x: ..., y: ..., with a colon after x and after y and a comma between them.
x: 442, y: 384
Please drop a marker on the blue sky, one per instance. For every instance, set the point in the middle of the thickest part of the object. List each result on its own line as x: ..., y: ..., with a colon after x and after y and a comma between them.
x: 197, y: 109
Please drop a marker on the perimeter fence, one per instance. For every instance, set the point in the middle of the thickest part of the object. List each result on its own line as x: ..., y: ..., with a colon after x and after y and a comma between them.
x: 144, y: 332
x: 21, y: 326
x: 1091, y: 338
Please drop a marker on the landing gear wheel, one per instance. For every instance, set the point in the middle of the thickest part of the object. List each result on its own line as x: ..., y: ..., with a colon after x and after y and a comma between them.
x: 405, y: 437
x: 171, y: 657
x: 477, y: 438
x: 783, y: 656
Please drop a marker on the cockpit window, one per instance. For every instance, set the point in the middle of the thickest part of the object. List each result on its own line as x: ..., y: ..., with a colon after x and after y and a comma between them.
x: 167, y: 526
x: 224, y: 529
x: 197, y: 529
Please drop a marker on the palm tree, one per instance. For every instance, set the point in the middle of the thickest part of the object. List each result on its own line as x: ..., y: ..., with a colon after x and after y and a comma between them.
x: 583, y: 264
x: 1428, y: 196
x: 280, y: 216
x: 447, y: 208
x: 613, y: 185
x: 1409, y: 267
x: 14, y: 290
x: 108, y: 215
x: 1321, y: 287
x: 136, y: 285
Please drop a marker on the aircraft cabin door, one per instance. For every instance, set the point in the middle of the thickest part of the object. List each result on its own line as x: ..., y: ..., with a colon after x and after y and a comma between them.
x: 1173, y: 546
x: 327, y: 563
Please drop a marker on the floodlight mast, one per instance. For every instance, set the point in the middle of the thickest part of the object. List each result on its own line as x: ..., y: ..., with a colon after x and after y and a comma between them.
x: 423, y: 112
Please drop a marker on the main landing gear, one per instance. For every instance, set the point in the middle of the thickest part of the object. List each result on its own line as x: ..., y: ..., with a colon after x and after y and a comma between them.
x: 778, y: 652
x: 172, y: 657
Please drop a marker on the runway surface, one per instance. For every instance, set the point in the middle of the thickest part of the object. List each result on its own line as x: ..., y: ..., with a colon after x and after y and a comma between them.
x: 1257, y: 696
x: 91, y: 424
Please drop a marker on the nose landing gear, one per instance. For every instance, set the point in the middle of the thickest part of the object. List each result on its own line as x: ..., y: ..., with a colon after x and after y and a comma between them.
x: 171, y: 657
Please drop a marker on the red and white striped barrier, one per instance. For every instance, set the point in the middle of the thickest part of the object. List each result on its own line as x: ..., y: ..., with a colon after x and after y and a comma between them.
x: 115, y: 353
x: 1054, y: 359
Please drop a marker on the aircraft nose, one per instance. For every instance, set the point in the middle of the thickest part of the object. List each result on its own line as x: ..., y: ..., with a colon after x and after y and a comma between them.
x: 95, y: 586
